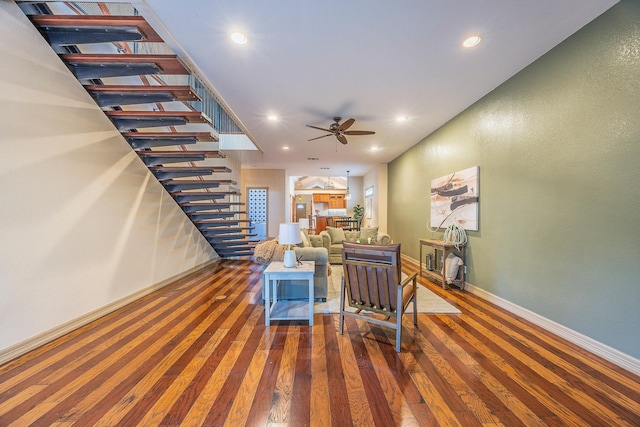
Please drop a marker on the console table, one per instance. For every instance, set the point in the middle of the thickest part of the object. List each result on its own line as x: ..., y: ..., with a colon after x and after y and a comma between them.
x: 275, y: 272
x: 438, y: 275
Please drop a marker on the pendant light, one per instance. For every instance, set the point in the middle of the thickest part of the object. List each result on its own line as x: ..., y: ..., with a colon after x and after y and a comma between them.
x: 347, y: 195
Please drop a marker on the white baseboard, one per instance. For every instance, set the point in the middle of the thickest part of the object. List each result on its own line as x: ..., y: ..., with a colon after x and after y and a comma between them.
x: 614, y: 356
x: 617, y: 357
x: 43, y: 338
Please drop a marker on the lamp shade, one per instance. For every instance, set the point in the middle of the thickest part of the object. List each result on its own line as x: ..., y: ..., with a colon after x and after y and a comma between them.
x: 289, y: 234
x: 304, y: 223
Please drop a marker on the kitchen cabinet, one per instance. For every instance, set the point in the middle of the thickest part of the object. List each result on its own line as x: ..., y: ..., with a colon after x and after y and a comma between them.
x: 336, y: 201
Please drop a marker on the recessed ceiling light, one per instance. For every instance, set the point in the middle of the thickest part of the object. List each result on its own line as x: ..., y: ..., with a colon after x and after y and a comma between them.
x: 472, y: 41
x: 401, y: 119
x: 285, y: 147
x: 374, y: 148
x: 239, y: 38
x: 272, y: 118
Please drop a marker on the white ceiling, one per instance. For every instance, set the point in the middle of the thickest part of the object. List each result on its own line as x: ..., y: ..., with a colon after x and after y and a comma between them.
x: 308, y: 61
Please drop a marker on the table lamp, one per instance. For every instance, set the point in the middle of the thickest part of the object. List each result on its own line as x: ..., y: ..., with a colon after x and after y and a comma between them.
x: 289, y: 235
x: 304, y: 223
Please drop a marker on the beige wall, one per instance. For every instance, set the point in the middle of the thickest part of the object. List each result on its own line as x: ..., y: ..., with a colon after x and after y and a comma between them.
x: 377, y: 178
x: 558, y: 149
x: 275, y: 181
x: 357, y: 198
x: 83, y: 222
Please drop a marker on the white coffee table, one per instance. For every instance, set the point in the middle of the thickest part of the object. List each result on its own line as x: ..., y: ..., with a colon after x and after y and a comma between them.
x: 275, y: 272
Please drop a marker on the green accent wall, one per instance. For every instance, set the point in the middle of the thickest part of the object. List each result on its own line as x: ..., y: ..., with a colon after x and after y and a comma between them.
x: 558, y: 146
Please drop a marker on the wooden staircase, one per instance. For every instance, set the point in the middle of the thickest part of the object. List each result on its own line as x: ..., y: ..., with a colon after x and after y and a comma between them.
x: 131, y: 74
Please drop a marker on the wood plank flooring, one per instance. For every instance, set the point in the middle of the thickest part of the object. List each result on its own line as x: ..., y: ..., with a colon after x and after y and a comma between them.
x: 197, y: 353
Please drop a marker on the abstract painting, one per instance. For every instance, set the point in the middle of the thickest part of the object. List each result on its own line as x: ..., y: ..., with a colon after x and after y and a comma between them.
x: 454, y: 199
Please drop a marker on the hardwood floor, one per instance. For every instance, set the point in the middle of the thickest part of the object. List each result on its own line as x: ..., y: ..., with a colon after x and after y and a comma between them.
x: 197, y: 353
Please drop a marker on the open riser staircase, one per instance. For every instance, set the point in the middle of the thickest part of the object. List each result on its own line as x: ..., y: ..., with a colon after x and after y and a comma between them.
x: 160, y: 108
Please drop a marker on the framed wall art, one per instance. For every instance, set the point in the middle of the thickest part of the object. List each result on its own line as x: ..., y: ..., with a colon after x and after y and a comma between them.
x: 455, y: 198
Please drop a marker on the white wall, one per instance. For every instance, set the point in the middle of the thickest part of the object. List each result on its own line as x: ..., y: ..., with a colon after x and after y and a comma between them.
x: 83, y: 223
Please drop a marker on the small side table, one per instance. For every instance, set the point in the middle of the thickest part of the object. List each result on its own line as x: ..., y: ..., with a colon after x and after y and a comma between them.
x: 275, y: 272
x: 439, y: 276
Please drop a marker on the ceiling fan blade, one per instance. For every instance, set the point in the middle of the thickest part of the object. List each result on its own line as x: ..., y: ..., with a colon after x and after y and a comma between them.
x: 342, y: 139
x: 346, y: 125
x: 316, y: 127
x: 318, y: 137
x: 359, y: 132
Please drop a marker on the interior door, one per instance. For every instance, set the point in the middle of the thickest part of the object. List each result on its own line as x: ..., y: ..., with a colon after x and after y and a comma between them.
x: 257, y: 211
x: 301, y: 211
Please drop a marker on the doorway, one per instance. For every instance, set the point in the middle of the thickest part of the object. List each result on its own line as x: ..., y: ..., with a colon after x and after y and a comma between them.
x: 301, y: 211
x: 257, y: 211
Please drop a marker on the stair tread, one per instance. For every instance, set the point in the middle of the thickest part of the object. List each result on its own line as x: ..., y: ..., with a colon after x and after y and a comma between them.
x: 229, y: 237
x: 230, y: 221
x: 180, y: 93
x: 199, y: 181
x: 211, y: 154
x: 226, y: 229
x: 201, y: 218
x: 195, y: 193
x: 199, y: 136
x: 148, y: 33
x: 189, y: 168
x: 166, y: 63
x: 189, y: 116
x: 236, y: 241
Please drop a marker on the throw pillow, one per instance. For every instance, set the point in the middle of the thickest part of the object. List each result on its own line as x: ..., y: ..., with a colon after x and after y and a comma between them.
x: 336, y: 234
x: 452, y: 263
x: 367, y: 233
x: 351, y: 235
x: 305, y: 239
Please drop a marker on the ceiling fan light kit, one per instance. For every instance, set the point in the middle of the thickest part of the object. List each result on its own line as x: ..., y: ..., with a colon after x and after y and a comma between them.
x: 339, y: 130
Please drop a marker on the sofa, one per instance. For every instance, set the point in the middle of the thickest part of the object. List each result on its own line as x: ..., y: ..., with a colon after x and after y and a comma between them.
x: 336, y: 236
x: 316, y: 250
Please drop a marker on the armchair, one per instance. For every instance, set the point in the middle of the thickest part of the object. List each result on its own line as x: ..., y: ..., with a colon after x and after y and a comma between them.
x: 372, y: 282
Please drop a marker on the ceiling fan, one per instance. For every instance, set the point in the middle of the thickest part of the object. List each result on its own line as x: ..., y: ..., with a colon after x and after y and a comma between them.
x: 340, y: 130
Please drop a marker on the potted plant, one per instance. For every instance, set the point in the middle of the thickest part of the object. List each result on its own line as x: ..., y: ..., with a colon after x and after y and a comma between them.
x: 358, y: 213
